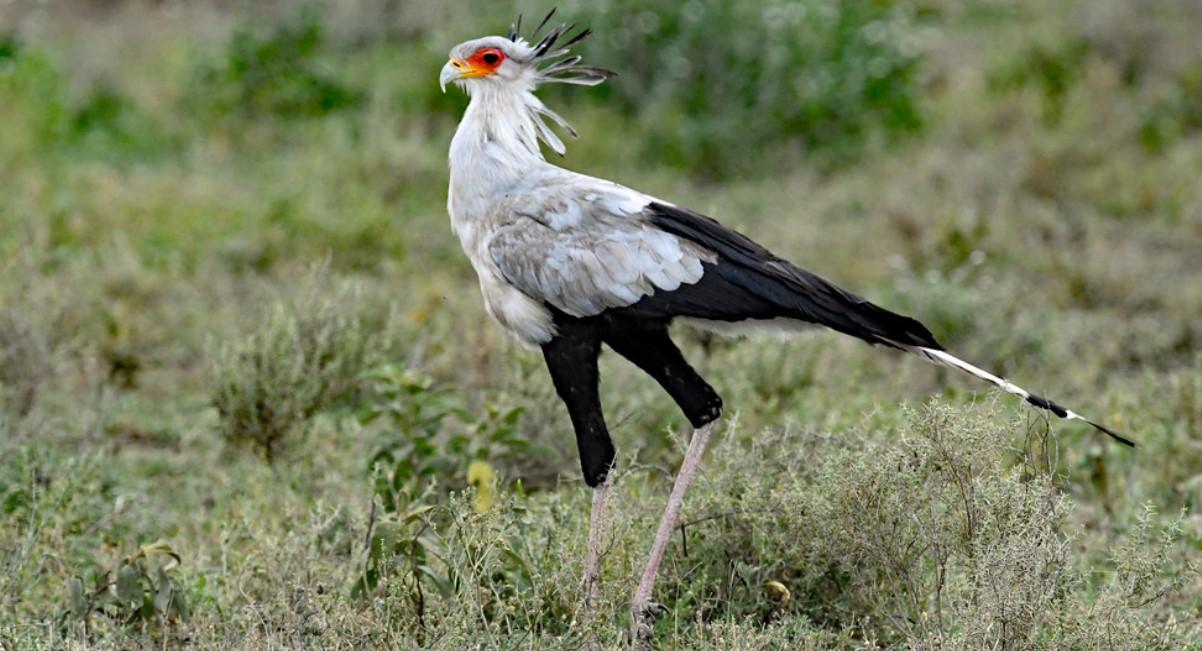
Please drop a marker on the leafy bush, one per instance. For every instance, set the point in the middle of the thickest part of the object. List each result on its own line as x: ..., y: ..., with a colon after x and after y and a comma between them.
x: 309, y: 355
x: 42, y: 113
x: 141, y: 589
x: 279, y: 74
x: 430, y: 437
x: 716, y: 82
x: 430, y: 443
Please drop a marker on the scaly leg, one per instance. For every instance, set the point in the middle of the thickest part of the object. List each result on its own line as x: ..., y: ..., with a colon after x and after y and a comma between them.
x: 641, y: 609
x: 598, y: 523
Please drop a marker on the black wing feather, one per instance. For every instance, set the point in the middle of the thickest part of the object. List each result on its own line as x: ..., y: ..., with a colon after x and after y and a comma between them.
x: 749, y: 282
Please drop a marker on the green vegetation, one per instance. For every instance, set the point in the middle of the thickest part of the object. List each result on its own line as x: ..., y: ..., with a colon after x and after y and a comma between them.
x: 249, y: 397
x: 724, y: 81
x: 304, y: 358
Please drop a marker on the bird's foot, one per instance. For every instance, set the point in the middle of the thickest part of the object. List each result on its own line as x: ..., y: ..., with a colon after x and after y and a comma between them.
x: 642, y: 621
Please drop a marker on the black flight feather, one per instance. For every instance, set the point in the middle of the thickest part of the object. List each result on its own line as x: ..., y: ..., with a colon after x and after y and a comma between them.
x: 770, y: 287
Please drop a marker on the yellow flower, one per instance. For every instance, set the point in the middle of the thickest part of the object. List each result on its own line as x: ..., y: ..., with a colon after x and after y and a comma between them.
x: 480, y: 474
x: 779, y: 589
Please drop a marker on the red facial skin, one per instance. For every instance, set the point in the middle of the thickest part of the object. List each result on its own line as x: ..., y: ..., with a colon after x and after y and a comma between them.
x: 486, y: 60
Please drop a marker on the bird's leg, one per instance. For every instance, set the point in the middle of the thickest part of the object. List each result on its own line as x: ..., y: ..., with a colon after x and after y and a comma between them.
x: 598, y: 523
x: 572, y: 360
x: 652, y: 350
x: 641, y: 608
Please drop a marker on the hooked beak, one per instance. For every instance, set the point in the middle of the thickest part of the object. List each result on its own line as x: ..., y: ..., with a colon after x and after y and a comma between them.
x: 457, y: 69
x: 450, y: 72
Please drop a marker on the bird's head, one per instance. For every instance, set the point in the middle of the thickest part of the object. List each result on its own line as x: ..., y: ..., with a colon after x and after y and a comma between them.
x: 513, y: 61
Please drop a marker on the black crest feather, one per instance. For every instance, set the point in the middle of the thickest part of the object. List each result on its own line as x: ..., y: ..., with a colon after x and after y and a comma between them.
x: 515, y: 29
x: 546, y: 46
x: 557, y: 42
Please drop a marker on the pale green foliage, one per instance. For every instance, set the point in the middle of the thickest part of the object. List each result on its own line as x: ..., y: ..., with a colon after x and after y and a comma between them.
x: 307, y: 355
x: 729, y: 83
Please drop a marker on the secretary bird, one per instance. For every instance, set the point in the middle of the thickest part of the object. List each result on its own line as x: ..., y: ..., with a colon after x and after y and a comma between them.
x: 567, y: 262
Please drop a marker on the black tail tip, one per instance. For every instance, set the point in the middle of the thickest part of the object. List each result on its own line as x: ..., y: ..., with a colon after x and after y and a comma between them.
x: 1112, y: 434
x: 1044, y: 403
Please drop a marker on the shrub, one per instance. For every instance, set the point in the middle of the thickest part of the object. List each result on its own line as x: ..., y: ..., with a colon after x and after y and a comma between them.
x: 935, y: 539
x: 111, y: 123
x: 429, y: 444
x: 141, y: 589
x: 309, y: 355
x: 37, y: 112
x: 720, y: 81
x: 428, y: 438
x: 44, y: 115
x: 278, y: 73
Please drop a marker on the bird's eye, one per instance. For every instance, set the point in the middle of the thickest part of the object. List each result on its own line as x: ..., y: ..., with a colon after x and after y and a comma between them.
x: 486, y: 60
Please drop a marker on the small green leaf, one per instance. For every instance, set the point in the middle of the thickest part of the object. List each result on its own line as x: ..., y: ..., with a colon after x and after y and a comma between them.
x: 160, y: 549
x: 129, y: 585
x: 440, y: 582
x: 415, y: 513
x: 162, y: 596
x: 383, y: 540
x: 75, y: 598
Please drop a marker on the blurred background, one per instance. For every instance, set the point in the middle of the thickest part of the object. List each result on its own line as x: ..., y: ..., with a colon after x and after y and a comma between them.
x: 249, y: 396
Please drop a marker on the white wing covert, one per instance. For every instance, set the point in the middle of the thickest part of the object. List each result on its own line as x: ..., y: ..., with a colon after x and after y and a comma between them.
x: 583, y: 251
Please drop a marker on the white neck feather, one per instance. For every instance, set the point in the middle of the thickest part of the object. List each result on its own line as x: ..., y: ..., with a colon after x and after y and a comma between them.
x: 496, y: 146
x: 497, y: 114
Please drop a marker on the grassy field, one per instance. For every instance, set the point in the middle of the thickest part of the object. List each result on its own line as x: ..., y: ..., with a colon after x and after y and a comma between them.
x: 249, y: 398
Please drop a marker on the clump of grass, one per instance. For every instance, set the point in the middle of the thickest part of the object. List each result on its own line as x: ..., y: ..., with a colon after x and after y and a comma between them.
x: 309, y: 355
x: 33, y: 343
x: 25, y: 363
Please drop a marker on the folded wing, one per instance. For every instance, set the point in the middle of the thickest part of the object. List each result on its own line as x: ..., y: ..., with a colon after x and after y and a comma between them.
x: 586, y: 254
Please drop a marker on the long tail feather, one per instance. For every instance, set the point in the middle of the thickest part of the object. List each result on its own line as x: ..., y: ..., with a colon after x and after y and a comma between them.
x: 944, y: 358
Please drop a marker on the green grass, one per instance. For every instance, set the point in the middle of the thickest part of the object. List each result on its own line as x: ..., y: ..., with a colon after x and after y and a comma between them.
x: 197, y: 224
